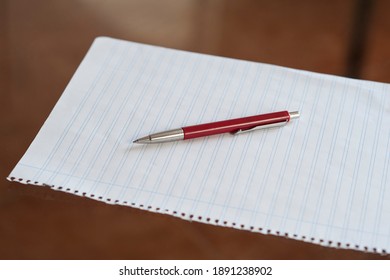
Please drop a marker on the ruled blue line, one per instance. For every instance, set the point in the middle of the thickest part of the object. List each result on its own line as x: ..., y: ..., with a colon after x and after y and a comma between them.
x: 109, y: 56
x: 76, y: 136
x: 383, y: 184
x: 276, y: 190
x: 313, y: 165
x: 206, y: 140
x: 230, y: 76
x: 292, y: 189
x: 180, y: 95
x: 354, y: 186
x: 246, y: 149
x: 329, y: 160
x: 368, y: 184
x: 189, y: 145
x: 336, y: 195
x: 227, y: 158
x: 108, y: 110
x: 135, y: 131
x: 265, y: 173
x: 195, y: 166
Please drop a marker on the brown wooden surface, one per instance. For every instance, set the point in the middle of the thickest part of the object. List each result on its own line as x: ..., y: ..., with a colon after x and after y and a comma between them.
x: 43, y: 42
x: 376, y: 62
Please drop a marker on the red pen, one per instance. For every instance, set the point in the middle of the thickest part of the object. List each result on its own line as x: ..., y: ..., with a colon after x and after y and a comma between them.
x: 234, y: 126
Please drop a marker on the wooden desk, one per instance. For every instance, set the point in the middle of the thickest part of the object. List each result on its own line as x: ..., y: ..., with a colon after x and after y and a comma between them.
x: 43, y: 42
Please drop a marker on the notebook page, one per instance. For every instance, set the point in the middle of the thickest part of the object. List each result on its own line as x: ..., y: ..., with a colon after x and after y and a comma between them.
x: 322, y: 178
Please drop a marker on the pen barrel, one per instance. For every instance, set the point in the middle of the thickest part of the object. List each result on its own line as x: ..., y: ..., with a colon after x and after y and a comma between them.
x: 202, y: 130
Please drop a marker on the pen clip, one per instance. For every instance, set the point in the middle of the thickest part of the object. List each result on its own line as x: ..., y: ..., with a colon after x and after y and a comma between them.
x: 271, y: 125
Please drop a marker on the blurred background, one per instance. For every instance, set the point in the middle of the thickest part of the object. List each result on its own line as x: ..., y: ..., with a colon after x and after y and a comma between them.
x: 42, y: 42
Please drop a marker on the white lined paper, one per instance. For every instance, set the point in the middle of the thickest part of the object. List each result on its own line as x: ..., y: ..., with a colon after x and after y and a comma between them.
x: 323, y: 178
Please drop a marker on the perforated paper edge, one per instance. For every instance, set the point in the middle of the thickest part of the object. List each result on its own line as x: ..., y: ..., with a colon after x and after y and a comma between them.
x: 207, y: 220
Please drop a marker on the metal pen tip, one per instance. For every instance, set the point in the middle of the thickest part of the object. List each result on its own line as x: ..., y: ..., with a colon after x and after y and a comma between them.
x: 143, y: 140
